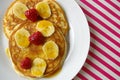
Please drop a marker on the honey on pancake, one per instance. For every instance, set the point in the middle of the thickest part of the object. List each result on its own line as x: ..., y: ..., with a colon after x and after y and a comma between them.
x: 54, y: 74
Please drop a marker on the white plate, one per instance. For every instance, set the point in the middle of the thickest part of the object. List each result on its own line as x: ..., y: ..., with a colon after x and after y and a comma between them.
x: 79, y: 39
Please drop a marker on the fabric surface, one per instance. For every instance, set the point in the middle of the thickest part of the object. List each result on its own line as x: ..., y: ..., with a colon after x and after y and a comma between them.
x: 103, y: 61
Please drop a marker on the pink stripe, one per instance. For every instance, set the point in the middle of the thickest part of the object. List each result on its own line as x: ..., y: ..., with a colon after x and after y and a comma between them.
x: 91, y: 73
x: 118, y: 0
x: 106, y: 8
x: 104, y: 53
x: 81, y: 76
x: 113, y: 4
x: 102, y: 23
x: 101, y: 13
x: 104, y: 63
x: 105, y: 35
x: 100, y: 70
x: 105, y: 44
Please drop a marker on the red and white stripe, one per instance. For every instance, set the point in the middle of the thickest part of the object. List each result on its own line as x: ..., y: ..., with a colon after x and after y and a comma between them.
x: 103, y: 61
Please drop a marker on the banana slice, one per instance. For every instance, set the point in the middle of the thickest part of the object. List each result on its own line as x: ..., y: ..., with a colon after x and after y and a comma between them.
x: 19, y: 10
x: 21, y: 38
x: 45, y: 27
x: 50, y: 48
x: 39, y: 67
x: 43, y: 9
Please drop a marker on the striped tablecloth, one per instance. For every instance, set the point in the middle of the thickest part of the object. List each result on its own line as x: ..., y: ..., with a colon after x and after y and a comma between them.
x: 103, y: 61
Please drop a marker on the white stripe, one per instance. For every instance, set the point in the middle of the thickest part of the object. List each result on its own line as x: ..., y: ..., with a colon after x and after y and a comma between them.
x: 104, y: 29
x: 103, y: 10
x: 95, y: 71
x: 100, y: 17
x: 77, y: 78
x: 118, y: 78
x: 86, y: 75
x: 102, y: 66
x: 94, y: 51
x: 117, y: 3
x: 105, y: 40
x: 111, y: 7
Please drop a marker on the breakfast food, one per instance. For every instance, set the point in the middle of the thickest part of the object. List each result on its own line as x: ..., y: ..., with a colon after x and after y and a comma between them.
x: 20, y: 10
x: 36, y: 30
x: 49, y: 53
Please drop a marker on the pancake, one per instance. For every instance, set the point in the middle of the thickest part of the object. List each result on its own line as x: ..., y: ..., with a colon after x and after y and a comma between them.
x: 35, y: 51
x: 57, y: 16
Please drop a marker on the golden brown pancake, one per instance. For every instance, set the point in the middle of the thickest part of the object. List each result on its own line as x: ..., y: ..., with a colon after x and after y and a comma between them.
x: 12, y: 24
x: 57, y: 17
x: 33, y: 51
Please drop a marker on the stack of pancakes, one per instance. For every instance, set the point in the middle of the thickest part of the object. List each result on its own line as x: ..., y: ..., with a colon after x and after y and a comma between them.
x: 13, y: 25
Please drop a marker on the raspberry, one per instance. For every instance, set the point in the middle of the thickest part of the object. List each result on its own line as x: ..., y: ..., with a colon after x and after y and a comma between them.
x: 32, y: 15
x: 26, y: 63
x: 36, y: 38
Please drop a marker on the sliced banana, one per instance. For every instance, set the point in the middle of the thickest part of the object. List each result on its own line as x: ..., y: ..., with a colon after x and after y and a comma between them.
x: 22, y: 38
x: 45, y: 27
x: 50, y: 48
x: 43, y: 9
x: 39, y: 67
x: 19, y: 10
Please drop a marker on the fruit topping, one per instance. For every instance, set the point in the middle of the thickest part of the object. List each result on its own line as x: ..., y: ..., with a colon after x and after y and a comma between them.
x: 22, y: 38
x: 19, y: 10
x: 39, y: 67
x: 51, y: 50
x: 36, y: 38
x: 43, y: 9
x: 26, y: 63
x: 45, y: 27
x: 32, y: 15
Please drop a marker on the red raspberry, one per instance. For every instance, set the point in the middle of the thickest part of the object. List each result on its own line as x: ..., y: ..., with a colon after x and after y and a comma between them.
x: 32, y: 14
x: 36, y: 38
x: 26, y: 63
